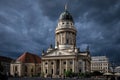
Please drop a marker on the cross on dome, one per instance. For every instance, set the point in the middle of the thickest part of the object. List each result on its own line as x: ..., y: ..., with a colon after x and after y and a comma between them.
x: 66, y: 6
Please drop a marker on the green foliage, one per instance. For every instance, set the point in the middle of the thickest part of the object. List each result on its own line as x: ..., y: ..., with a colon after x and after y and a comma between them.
x: 42, y: 74
x: 72, y: 74
x: 87, y: 74
x: 68, y: 73
x: 96, y: 73
x: 1, y: 67
x: 81, y: 75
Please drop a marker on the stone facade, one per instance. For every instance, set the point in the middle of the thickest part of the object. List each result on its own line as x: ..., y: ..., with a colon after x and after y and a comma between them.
x: 25, y: 69
x: 117, y: 69
x: 26, y: 65
x: 100, y: 63
x: 65, y: 56
x: 60, y: 62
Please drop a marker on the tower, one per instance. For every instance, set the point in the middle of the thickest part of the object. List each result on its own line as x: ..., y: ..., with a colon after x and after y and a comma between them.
x: 65, y: 56
x: 65, y: 33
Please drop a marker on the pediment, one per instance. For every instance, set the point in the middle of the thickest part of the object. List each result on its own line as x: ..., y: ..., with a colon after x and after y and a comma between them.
x: 59, y: 53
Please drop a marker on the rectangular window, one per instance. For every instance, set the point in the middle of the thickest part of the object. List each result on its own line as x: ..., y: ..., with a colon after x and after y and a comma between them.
x: 52, y: 71
x: 64, y: 70
x: 15, y: 68
x: 80, y: 63
x: 46, y: 63
x: 46, y: 71
x: 71, y: 62
x: 79, y: 70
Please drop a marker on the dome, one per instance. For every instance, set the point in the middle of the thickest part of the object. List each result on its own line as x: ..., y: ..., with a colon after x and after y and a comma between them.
x: 66, y: 16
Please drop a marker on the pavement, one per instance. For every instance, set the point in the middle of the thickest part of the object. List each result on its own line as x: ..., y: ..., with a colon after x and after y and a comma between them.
x: 38, y: 78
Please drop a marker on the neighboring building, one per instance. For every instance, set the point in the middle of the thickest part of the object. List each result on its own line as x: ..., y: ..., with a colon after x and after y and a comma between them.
x: 26, y: 65
x: 100, y: 63
x: 5, y: 62
x: 65, y: 56
x: 117, y: 69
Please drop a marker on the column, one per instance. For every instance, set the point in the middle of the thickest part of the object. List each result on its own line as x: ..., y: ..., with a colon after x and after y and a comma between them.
x: 43, y: 67
x: 65, y: 36
x: 73, y: 65
x: 60, y: 67
x: 83, y: 65
x: 54, y: 69
x: 49, y: 69
x: 66, y: 64
x: 61, y: 37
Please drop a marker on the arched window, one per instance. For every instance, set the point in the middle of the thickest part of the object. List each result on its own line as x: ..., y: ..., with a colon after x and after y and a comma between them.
x: 26, y: 69
x: 46, y: 71
x: 15, y: 68
x: 52, y: 71
x: 32, y: 70
x: 52, y: 63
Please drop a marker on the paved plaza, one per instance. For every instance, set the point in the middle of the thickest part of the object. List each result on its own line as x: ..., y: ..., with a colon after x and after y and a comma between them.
x: 38, y: 78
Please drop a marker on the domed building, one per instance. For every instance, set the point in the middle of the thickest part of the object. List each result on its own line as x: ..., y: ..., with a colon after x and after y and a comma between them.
x: 65, y: 56
x: 27, y: 64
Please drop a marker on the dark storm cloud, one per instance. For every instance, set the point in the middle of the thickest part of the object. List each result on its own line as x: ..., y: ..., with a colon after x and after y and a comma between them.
x: 29, y: 25
x: 97, y: 22
x: 23, y: 28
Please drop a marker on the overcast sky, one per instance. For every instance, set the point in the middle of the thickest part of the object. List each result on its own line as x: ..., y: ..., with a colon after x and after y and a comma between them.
x: 29, y: 25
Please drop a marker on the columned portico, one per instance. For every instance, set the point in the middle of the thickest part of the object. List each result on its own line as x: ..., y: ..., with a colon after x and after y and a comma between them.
x: 56, y: 67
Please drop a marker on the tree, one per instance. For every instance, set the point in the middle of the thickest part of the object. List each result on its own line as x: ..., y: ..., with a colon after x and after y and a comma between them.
x: 42, y: 74
x: 96, y: 73
x: 1, y: 67
x: 81, y: 75
x: 68, y: 73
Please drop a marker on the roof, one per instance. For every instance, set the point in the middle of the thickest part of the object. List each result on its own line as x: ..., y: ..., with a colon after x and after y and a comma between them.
x: 66, y: 16
x: 29, y: 58
x: 5, y: 59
